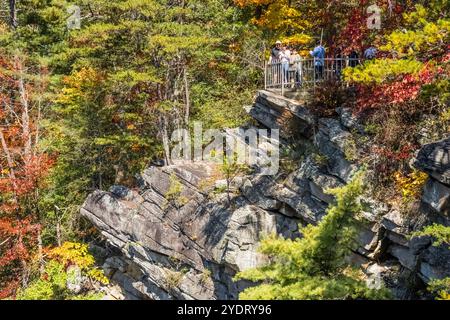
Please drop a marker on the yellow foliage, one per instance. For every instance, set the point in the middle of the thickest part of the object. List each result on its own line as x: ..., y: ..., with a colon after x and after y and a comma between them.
x: 278, y: 16
x: 76, y: 85
x: 411, y: 185
x: 243, y: 3
x: 297, y: 40
x: 72, y: 253
x: 444, y: 295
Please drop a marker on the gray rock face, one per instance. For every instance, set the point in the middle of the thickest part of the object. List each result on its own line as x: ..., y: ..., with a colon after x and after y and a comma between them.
x: 434, y: 159
x: 437, y: 196
x: 178, y: 237
x: 276, y: 112
x: 188, y: 246
x: 435, y: 263
x: 333, y: 141
x: 348, y: 120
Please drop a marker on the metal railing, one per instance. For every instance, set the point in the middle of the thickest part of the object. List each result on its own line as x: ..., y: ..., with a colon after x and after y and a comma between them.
x: 305, y: 73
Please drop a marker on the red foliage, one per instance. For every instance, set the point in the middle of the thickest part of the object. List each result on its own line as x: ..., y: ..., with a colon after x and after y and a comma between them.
x: 403, y: 154
x: 402, y: 90
x: 17, y: 239
x: 356, y: 36
x: 22, y: 167
x: 355, y: 32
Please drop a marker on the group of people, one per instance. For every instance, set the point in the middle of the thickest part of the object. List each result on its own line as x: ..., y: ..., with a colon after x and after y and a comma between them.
x: 290, y: 60
x: 287, y: 57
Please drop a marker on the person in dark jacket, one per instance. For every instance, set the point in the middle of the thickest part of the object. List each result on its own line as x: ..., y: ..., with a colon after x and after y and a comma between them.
x: 354, y: 59
x: 339, y: 62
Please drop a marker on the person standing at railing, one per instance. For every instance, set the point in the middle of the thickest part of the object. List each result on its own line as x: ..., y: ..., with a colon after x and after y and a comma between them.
x: 285, y: 58
x: 296, y: 62
x: 338, y: 63
x: 275, y: 52
x: 319, y: 60
x: 370, y: 53
x: 274, y: 73
x: 353, y: 59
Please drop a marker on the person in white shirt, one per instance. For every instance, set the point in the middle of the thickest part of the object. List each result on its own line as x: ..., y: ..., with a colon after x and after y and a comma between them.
x: 296, y: 62
x: 285, y: 57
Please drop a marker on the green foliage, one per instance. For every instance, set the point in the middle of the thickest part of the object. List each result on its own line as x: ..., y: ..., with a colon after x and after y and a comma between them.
x: 53, y: 286
x: 427, y: 35
x: 138, y: 67
x: 440, y: 288
x: 320, y: 159
x: 439, y: 232
x: 77, y: 253
x: 117, y: 80
x: 381, y: 70
x: 427, y: 38
x: 231, y: 168
x: 314, y: 266
x: 219, y: 107
x: 50, y: 287
x: 175, y: 188
x: 174, y: 194
x: 350, y: 149
x: 206, y: 275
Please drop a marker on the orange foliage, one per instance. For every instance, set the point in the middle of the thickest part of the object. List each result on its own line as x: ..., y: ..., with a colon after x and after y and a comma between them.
x: 22, y: 167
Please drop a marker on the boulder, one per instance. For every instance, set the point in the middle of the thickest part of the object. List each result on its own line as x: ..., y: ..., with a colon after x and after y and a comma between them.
x: 332, y: 141
x: 349, y: 120
x: 189, y: 242
x: 437, y: 196
x: 434, y: 159
x: 435, y: 263
x: 277, y: 112
x: 163, y: 236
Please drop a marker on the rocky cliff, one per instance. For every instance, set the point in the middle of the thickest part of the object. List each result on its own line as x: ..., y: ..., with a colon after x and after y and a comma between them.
x: 189, y: 244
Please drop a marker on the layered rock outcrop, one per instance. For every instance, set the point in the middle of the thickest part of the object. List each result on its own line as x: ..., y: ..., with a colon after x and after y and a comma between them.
x: 434, y: 159
x: 176, y: 236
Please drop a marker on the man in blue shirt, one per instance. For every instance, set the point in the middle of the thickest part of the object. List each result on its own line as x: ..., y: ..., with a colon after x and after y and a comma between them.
x: 370, y: 53
x: 319, y: 60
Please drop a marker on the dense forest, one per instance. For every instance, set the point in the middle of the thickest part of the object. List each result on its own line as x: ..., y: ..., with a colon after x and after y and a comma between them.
x: 87, y: 107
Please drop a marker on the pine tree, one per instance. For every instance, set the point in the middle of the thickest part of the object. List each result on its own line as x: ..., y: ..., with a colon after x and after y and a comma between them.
x: 314, y: 266
x: 441, y: 235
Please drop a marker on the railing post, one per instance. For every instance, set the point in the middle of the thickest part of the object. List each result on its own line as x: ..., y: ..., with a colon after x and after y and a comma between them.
x: 314, y: 72
x: 265, y: 74
x: 276, y: 77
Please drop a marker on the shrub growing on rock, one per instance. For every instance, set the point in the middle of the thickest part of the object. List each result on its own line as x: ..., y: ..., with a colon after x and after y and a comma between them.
x: 314, y: 266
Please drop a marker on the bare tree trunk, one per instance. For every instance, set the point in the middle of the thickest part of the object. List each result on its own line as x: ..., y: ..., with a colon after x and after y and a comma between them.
x: 26, y: 136
x: 13, y: 13
x: 25, y: 274
x: 165, y: 138
x: 40, y: 254
x: 58, y: 232
x: 187, y: 96
x: 391, y: 7
x: 59, y: 218
x: 9, y: 160
x: 38, y: 121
